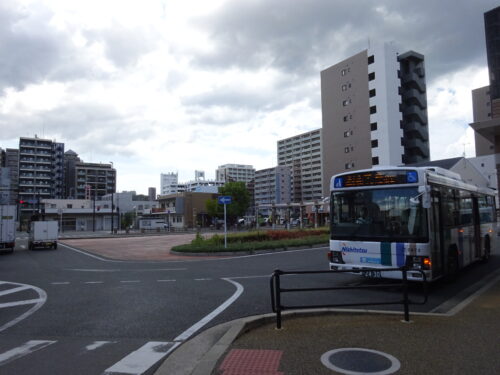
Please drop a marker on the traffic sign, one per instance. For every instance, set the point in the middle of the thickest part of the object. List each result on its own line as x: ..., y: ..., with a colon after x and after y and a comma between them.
x: 225, y: 199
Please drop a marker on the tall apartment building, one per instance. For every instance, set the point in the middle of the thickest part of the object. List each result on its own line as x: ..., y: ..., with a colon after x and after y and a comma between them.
x: 41, y: 171
x: 9, y: 158
x: 169, y: 183
x: 374, y: 111
x: 93, y: 179
x: 302, y: 155
x: 486, y: 100
x: 235, y: 172
x: 273, y: 185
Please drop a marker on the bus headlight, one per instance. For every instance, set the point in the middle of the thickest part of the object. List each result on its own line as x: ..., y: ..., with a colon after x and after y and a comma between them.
x: 335, y: 257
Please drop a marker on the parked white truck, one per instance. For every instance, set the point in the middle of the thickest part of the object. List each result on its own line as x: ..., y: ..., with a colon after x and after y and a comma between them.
x: 7, y: 228
x: 43, y: 234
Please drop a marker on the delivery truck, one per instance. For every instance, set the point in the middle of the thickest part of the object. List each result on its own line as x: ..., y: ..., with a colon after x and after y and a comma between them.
x: 7, y: 228
x: 43, y: 234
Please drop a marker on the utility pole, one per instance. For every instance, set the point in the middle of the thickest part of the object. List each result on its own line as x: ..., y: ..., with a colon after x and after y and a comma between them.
x: 93, y: 214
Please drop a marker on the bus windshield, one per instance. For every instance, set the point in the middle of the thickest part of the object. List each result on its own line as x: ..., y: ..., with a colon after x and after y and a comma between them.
x: 392, y: 215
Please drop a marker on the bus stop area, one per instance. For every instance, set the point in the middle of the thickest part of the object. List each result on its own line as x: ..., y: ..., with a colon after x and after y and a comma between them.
x: 462, y: 340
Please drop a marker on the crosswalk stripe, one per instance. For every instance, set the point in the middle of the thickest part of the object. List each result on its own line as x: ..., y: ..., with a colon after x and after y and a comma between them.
x: 138, y: 362
x: 25, y: 349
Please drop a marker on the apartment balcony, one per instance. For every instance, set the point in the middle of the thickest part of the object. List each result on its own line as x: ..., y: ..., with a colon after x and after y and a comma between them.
x: 416, y: 96
x: 417, y: 130
x: 416, y: 112
x: 414, y: 78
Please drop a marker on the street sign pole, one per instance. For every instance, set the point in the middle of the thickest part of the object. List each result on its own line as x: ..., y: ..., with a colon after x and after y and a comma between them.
x: 225, y: 200
x: 225, y: 227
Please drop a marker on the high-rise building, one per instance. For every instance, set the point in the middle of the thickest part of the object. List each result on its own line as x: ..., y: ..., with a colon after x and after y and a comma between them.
x: 41, y: 171
x: 9, y: 158
x: 486, y: 100
x: 273, y: 185
x: 94, y: 180
x: 169, y: 183
x: 152, y: 193
x: 374, y: 111
x: 302, y: 155
x: 235, y: 172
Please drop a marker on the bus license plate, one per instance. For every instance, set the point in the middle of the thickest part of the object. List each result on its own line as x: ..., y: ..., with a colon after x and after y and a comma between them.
x: 374, y: 274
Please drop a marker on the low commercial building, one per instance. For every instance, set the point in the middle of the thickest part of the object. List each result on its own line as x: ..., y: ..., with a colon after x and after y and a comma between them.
x: 184, y: 210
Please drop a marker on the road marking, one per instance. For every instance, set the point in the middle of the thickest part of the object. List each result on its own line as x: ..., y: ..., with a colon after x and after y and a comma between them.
x: 93, y: 282
x: 195, y: 327
x: 250, y: 277
x: 20, y: 303
x: 92, y: 255
x: 127, y: 270
x: 138, y: 362
x: 97, y: 344
x: 164, y: 281
x: 61, y: 283
x: 202, y: 279
x: 23, y: 350
x: 38, y: 303
x: 130, y: 281
x: 14, y: 290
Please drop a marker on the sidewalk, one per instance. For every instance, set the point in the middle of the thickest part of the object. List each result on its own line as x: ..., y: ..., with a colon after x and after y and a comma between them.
x: 466, y: 340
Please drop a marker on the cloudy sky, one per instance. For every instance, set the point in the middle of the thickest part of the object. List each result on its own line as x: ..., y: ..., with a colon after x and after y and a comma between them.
x: 181, y: 85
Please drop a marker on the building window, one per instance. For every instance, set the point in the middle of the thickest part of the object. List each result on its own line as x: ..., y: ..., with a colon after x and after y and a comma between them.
x: 346, y: 150
x: 373, y: 109
x: 348, y: 133
x: 375, y: 160
x: 374, y: 143
x: 371, y: 76
x: 371, y: 59
x: 345, y: 71
x: 346, y: 102
x: 344, y: 87
x: 349, y: 165
x: 402, y: 141
x: 372, y: 93
x: 373, y: 126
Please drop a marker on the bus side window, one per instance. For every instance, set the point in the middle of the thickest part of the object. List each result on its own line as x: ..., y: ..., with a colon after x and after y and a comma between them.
x: 466, y: 210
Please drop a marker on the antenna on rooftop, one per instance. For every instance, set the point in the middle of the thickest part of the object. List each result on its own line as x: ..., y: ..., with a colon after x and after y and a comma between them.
x: 465, y: 144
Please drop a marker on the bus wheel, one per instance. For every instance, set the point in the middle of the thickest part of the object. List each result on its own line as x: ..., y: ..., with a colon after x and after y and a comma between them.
x: 487, y: 249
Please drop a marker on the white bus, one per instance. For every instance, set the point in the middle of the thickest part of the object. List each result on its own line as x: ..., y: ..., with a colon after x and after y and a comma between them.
x: 426, y: 218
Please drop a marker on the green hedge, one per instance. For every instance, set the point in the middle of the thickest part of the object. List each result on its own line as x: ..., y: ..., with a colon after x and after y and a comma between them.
x: 216, y: 243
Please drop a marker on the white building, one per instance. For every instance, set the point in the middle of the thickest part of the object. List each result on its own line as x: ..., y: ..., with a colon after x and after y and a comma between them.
x: 169, y: 183
x: 235, y: 172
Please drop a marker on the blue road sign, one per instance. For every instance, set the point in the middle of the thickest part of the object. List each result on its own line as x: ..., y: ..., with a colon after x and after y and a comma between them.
x: 225, y: 199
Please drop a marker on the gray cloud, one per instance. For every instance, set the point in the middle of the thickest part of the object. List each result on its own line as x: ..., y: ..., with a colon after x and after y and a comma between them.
x: 32, y: 51
x: 306, y: 36
x: 83, y: 127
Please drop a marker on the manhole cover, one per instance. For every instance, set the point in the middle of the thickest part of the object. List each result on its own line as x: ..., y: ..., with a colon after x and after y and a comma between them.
x: 359, y: 361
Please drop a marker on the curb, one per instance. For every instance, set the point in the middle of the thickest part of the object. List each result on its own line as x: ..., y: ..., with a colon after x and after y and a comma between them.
x: 250, y: 252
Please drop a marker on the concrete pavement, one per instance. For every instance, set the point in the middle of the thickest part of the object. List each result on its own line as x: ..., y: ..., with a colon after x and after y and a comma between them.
x: 464, y: 340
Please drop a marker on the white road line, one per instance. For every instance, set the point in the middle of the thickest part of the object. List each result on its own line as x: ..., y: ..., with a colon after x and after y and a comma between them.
x: 130, y: 281
x: 250, y: 277
x: 164, y: 281
x: 92, y: 255
x: 93, y: 282
x: 197, y: 326
x: 118, y: 270
x: 138, y: 362
x: 61, y: 283
x: 20, y: 303
x: 14, y: 290
x: 39, y: 303
x: 202, y: 279
x: 25, y: 349
x: 97, y: 344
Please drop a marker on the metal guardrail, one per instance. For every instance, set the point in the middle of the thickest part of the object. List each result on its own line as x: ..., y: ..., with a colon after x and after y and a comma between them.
x: 277, y: 290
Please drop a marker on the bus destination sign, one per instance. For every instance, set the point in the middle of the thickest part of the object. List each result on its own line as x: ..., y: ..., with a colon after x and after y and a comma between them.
x: 371, y: 178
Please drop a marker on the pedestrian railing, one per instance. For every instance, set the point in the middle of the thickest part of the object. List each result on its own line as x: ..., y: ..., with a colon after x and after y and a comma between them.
x: 277, y: 290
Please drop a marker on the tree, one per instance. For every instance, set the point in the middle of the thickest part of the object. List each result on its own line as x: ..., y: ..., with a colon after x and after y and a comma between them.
x: 240, y: 201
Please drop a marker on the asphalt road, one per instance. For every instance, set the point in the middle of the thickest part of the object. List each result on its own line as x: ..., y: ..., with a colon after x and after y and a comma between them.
x: 65, y: 312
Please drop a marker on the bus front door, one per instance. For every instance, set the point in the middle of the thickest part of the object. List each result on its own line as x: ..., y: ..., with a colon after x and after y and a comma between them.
x: 437, y: 237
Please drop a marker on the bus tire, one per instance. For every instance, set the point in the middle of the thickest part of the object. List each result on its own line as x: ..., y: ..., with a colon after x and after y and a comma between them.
x: 487, y: 249
x: 453, y: 265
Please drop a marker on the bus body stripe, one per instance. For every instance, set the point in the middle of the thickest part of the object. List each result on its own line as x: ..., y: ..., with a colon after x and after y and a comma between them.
x: 400, y: 254
x: 385, y: 252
